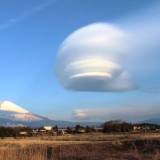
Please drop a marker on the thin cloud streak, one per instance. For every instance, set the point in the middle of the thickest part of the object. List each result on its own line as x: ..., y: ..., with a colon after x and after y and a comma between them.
x: 128, y: 113
x: 144, y: 30
x: 26, y: 14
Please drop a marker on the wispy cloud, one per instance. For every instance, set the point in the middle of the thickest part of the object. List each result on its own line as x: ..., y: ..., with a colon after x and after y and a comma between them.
x: 27, y: 13
x: 127, y: 113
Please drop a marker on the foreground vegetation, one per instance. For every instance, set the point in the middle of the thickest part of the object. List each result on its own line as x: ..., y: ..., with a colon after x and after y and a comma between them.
x: 97, y: 146
x: 114, y: 140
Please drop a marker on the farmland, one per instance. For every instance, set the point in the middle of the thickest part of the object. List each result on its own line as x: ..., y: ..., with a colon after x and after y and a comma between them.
x: 91, y: 146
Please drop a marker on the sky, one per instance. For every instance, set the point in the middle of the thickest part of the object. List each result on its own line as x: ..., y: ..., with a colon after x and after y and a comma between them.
x: 34, y: 35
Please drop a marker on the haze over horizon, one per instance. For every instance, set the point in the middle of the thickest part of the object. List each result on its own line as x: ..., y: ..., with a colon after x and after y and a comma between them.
x: 71, y: 60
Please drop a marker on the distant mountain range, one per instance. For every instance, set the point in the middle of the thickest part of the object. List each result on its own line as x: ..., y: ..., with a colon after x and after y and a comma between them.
x: 153, y: 121
x: 14, y: 115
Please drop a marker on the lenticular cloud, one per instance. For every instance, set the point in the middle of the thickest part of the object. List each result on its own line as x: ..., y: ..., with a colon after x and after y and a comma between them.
x: 90, y: 59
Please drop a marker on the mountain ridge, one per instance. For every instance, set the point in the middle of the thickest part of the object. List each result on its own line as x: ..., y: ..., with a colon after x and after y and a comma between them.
x: 14, y: 115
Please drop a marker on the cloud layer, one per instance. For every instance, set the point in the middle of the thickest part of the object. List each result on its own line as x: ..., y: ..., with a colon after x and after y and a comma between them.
x: 131, y: 113
x: 90, y: 59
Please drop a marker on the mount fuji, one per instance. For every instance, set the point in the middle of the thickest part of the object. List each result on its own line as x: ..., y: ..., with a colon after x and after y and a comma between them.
x: 14, y: 112
x: 14, y: 115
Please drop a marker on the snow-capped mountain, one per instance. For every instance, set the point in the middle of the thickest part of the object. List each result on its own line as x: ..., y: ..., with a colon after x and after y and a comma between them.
x: 11, y: 107
x: 11, y: 111
x: 14, y: 115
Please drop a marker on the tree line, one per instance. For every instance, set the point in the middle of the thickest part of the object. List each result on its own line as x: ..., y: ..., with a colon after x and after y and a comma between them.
x: 107, y: 127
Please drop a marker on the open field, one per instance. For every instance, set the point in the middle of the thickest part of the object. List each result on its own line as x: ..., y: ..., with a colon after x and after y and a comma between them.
x: 97, y: 146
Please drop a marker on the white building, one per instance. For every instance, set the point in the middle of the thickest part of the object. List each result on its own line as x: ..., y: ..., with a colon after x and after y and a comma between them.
x: 48, y: 128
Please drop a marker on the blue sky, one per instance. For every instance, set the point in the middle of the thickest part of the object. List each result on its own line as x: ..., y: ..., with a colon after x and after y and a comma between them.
x: 31, y: 33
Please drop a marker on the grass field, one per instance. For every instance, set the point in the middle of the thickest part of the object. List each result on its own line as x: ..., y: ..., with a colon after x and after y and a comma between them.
x: 99, y: 146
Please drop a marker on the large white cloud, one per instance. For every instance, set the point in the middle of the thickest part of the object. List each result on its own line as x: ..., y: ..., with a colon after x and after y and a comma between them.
x: 90, y: 59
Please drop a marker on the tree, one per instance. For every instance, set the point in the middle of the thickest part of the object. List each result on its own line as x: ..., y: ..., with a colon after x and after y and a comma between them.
x: 69, y: 130
x: 55, y: 128
x: 89, y: 129
x: 78, y: 128
x: 117, y: 126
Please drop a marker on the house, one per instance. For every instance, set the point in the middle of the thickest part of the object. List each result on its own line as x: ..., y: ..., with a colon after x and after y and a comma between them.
x: 137, y: 128
x: 35, y: 132
x: 48, y: 128
x: 144, y: 127
x: 62, y: 131
x: 98, y: 129
x: 23, y: 133
x: 81, y: 130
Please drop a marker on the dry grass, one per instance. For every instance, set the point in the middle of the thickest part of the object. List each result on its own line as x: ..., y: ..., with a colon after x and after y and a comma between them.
x: 83, y: 147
